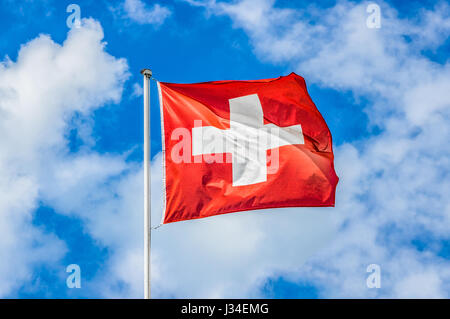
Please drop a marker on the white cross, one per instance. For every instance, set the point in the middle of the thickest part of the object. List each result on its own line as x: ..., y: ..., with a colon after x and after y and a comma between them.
x: 247, y: 140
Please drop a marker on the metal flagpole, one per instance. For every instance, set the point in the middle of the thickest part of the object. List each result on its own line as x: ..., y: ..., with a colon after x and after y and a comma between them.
x: 147, y: 208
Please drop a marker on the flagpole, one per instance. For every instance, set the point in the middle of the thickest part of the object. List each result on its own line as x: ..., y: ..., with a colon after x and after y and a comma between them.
x: 147, y: 191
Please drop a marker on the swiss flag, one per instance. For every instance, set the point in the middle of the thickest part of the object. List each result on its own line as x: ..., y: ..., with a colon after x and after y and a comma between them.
x: 242, y: 145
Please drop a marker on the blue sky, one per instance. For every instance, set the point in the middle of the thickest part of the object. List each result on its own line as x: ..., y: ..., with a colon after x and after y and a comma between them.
x: 75, y: 194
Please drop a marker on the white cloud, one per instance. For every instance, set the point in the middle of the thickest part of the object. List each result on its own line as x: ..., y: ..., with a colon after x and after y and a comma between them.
x: 139, y: 12
x: 40, y: 93
x: 387, y: 194
x: 421, y: 285
x: 393, y: 187
x: 48, y: 87
x: 213, y: 257
x: 137, y: 90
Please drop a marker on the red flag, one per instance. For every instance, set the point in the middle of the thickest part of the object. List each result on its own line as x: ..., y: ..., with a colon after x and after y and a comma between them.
x: 242, y: 145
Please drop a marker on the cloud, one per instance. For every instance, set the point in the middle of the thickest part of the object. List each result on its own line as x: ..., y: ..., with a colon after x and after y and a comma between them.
x: 393, y: 188
x: 387, y: 198
x: 214, y: 257
x: 386, y: 201
x: 48, y: 85
x: 393, y: 185
x: 105, y: 191
x: 137, y: 11
x: 137, y: 90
